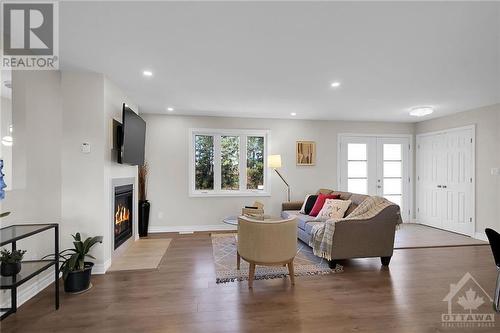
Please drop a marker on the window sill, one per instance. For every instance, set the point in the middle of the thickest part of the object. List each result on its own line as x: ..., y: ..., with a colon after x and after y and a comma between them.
x: 228, y: 194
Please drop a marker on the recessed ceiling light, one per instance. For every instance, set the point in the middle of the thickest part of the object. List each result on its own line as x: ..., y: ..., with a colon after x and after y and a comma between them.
x: 335, y: 84
x: 147, y: 73
x: 420, y: 111
x: 170, y: 109
x: 293, y: 114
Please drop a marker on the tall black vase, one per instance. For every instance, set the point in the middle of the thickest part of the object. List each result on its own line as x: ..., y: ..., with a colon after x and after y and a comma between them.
x: 144, y: 207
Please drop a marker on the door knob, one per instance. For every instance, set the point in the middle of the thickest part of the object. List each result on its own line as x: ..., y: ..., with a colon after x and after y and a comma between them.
x: 439, y: 186
x: 444, y: 186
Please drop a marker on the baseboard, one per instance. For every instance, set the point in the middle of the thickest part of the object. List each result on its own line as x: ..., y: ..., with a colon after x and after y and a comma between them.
x: 192, y: 228
x: 30, y: 289
x: 481, y: 236
x: 101, y: 268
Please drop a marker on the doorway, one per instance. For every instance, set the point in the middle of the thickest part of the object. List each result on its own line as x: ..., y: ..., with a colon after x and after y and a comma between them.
x: 377, y: 165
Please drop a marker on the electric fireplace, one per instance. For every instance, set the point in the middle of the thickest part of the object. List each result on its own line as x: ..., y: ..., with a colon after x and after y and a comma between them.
x: 123, y: 216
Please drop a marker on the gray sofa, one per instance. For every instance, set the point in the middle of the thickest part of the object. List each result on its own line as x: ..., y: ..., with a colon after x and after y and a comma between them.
x: 352, y: 238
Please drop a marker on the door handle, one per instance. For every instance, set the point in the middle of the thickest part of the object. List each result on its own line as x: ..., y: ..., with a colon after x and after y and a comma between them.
x: 439, y: 186
x: 444, y: 186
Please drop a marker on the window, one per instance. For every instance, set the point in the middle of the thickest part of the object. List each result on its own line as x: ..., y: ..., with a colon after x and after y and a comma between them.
x: 357, y: 171
x: 228, y: 162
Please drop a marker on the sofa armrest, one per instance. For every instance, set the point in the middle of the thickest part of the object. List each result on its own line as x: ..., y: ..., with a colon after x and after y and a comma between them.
x: 366, y: 238
x: 292, y: 205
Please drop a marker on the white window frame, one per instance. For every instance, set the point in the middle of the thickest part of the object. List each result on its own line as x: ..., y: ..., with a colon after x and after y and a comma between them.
x: 217, y: 191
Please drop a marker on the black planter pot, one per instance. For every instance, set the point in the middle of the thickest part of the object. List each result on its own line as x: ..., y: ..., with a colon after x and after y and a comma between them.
x: 144, y: 207
x: 10, y: 269
x: 78, y: 281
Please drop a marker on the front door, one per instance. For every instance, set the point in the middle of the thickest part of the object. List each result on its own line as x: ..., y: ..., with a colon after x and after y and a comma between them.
x: 377, y: 166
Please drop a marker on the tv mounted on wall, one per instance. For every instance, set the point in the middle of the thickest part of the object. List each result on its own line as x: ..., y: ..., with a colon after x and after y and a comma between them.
x: 132, y: 135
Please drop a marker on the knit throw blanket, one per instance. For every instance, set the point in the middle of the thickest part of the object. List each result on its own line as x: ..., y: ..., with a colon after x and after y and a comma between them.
x: 322, y: 233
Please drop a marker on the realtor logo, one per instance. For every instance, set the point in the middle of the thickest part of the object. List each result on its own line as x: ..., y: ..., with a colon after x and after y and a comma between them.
x: 469, y: 305
x: 29, y: 35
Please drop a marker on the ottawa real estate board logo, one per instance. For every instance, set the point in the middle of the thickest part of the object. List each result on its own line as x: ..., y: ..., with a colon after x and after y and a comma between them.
x: 469, y: 305
x: 30, y: 35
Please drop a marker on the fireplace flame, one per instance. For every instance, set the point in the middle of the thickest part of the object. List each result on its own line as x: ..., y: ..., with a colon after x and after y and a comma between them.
x: 122, y: 214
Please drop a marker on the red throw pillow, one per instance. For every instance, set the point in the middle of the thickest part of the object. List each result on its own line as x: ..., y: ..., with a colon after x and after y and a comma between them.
x: 321, y: 201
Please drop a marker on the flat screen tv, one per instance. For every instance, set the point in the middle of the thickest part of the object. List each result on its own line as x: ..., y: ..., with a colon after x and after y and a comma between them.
x: 133, y: 138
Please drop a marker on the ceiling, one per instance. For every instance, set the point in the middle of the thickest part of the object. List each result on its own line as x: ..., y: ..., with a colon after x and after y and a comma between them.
x: 256, y: 59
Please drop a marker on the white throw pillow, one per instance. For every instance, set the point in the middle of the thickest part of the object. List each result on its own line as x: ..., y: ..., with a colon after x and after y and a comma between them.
x: 303, y: 209
x: 333, y: 209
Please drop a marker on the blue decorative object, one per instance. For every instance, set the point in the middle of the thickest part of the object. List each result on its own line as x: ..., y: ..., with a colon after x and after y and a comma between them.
x: 2, y: 183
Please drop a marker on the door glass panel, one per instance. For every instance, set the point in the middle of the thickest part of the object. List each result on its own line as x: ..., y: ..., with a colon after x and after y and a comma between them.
x: 392, y: 169
x: 357, y: 186
x: 357, y: 169
x: 356, y: 152
x: 392, y: 186
x: 392, y: 152
x: 394, y: 198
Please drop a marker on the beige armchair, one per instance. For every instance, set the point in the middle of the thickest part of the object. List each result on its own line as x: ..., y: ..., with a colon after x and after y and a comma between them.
x: 267, y: 243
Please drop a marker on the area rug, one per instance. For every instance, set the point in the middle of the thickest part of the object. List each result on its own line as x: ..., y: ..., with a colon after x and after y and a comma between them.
x: 224, y: 252
x: 142, y: 254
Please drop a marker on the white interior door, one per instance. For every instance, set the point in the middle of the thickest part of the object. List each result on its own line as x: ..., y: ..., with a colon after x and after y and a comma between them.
x: 429, y: 176
x: 445, y: 166
x: 376, y: 166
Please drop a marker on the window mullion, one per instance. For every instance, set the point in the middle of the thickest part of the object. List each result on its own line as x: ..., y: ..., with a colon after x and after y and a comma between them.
x: 217, y: 163
x: 243, y: 163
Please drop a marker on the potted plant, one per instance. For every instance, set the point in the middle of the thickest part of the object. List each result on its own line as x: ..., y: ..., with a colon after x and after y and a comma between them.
x: 144, y: 205
x: 76, y: 271
x: 10, y: 262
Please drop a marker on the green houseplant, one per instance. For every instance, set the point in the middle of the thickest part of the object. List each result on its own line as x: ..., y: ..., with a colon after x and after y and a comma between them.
x: 10, y: 262
x: 76, y: 271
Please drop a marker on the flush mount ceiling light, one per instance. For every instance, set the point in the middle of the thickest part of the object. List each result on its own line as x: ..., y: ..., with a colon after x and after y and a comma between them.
x: 335, y: 84
x: 421, y: 111
x: 170, y: 109
x: 147, y: 73
x: 7, y: 141
x: 293, y: 114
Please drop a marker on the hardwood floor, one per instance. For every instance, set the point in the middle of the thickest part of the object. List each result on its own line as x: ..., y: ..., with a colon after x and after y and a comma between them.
x: 182, y: 296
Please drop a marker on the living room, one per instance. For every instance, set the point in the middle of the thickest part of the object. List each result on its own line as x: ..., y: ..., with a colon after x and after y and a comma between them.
x: 179, y: 137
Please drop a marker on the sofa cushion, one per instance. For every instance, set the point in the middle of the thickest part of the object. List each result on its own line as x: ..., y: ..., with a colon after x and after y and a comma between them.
x: 302, y: 219
x: 311, y: 200
x: 310, y: 225
x: 303, y: 208
x: 333, y: 209
x: 320, y: 202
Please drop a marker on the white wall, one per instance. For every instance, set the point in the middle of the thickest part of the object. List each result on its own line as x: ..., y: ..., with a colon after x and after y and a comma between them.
x: 83, y: 207
x: 90, y: 103
x: 113, y: 100
x: 36, y: 197
x: 487, y: 121
x: 167, y: 155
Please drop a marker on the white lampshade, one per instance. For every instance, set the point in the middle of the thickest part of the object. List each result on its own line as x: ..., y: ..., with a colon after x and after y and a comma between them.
x: 274, y: 161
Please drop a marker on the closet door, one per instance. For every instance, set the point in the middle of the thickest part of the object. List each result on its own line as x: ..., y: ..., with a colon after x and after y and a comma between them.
x: 429, y: 177
x: 457, y: 182
x: 445, y: 180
